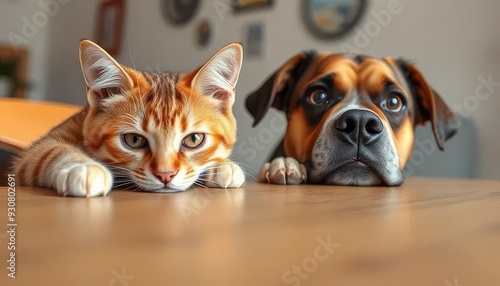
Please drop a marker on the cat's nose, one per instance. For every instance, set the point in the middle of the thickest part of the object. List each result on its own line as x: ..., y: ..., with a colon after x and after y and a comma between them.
x: 165, y: 176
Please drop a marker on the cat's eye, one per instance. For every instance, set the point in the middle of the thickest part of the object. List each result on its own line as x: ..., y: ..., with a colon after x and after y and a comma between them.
x: 135, y: 141
x: 393, y: 103
x: 193, y: 140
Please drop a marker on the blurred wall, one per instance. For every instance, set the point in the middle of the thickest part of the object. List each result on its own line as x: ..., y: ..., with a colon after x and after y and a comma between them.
x: 26, y: 23
x: 454, y: 43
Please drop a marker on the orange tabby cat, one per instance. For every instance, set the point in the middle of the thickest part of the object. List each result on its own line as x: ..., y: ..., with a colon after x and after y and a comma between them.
x: 160, y: 132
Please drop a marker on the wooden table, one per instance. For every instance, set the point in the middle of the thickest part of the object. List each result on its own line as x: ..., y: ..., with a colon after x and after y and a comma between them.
x: 23, y: 121
x: 426, y: 232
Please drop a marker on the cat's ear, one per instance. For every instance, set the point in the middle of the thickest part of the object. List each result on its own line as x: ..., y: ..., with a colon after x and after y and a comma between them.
x: 104, y: 77
x: 218, y: 77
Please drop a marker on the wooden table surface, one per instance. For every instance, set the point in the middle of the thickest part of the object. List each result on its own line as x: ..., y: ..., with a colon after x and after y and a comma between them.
x: 442, y: 232
x: 23, y: 121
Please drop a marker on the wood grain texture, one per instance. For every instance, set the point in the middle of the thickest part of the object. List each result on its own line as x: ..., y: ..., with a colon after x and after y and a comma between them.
x: 426, y: 232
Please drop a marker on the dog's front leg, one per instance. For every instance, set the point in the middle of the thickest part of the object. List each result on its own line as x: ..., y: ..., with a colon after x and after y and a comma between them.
x: 283, y: 171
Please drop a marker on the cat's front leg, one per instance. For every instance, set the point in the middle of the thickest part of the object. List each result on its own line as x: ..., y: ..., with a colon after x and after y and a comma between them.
x: 283, y: 171
x: 225, y: 175
x: 63, y: 167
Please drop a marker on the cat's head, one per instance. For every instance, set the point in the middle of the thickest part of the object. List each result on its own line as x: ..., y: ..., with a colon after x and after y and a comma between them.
x: 159, y: 131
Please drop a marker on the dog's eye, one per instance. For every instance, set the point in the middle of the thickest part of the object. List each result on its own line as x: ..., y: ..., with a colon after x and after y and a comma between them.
x: 393, y: 103
x: 318, y: 97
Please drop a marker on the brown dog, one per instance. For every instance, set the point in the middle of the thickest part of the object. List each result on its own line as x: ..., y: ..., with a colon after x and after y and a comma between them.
x: 351, y: 118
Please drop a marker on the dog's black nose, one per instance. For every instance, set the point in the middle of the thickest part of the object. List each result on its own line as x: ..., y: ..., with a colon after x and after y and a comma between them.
x: 358, y: 126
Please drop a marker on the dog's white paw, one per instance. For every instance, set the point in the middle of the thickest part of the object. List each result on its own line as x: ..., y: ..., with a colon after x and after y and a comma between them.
x: 283, y: 171
x: 225, y: 175
x: 84, y: 180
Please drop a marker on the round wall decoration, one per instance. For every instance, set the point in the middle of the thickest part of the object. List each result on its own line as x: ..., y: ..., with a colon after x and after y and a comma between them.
x: 179, y: 11
x: 331, y: 19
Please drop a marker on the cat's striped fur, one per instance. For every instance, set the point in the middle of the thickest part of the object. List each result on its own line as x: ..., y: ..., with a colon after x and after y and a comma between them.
x: 157, y: 131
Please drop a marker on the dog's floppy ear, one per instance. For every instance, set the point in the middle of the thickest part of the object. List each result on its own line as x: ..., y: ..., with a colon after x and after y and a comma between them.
x: 431, y: 106
x: 277, y: 89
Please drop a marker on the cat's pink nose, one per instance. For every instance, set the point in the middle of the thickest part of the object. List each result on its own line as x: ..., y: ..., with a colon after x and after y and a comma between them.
x: 165, y: 177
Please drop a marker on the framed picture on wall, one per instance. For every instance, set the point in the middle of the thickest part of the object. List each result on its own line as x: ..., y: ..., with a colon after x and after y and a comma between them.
x: 254, y: 40
x: 13, y: 71
x: 110, y: 17
x: 204, y: 31
x: 243, y: 5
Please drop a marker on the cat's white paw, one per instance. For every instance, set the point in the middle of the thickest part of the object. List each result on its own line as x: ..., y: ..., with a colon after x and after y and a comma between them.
x: 283, y: 171
x: 84, y: 180
x: 225, y: 175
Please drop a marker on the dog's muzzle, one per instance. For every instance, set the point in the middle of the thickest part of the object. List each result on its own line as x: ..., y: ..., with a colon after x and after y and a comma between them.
x: 355, y: 149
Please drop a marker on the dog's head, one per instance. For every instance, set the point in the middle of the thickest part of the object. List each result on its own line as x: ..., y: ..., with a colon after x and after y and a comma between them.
x: 351, y: 118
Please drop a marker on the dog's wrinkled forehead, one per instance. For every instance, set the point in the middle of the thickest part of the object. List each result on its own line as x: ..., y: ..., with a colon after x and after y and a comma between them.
x: 349, y: 76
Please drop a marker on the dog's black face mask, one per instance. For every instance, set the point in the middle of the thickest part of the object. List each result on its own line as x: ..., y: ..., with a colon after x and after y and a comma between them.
x: 351, y: 118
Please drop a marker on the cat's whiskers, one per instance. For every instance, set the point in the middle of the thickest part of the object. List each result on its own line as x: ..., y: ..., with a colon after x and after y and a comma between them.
x: 124, y: 186
x: 241, y: 164
x: 133, y: 62
x: 243, y: 168
x: 200, y: 185
x: 120, y: 172
x: 122, y: 180
x: 248, y: 174
x: 131, y: 58
x: 118, y: 168
x: 205, y: 180
x: 129, y: 178
x: 137, y: 188
x: 137, y: 102
x: 125, y: 172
